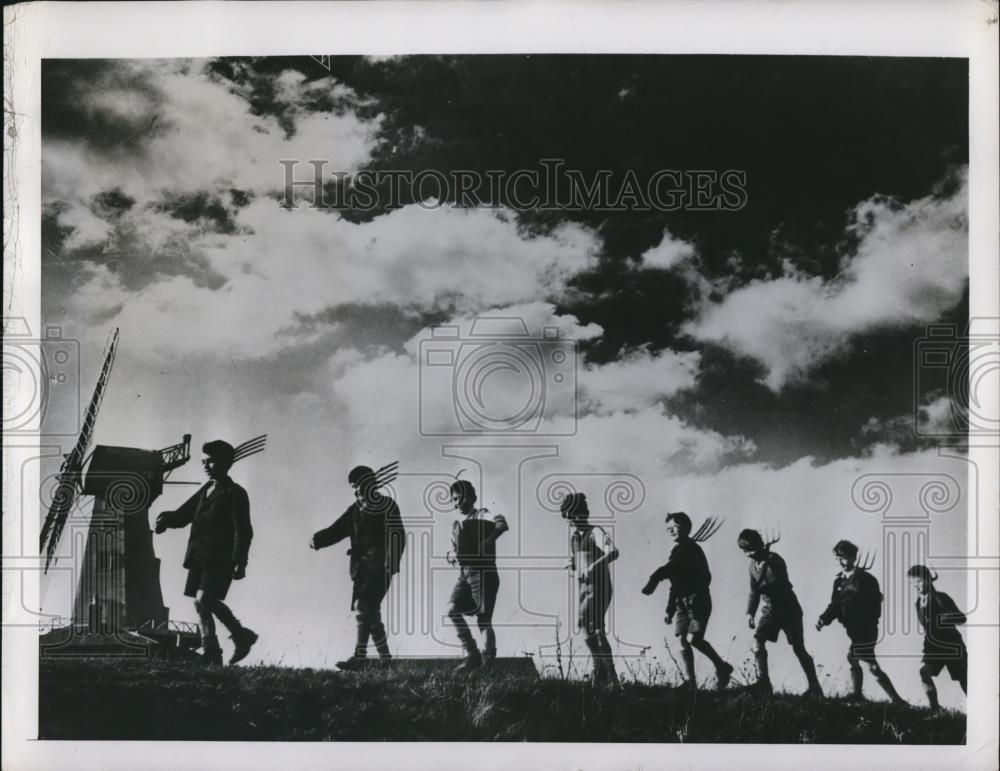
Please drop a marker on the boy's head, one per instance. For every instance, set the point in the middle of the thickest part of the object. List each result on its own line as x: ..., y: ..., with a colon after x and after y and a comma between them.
x: 846, y: 554
x: 463, y: 495
x: 362, y: 479
x: 921, y: 578
x: 574, y: 507
x: 218, y: 458
x: 751, y: 542
x: 678, y: 525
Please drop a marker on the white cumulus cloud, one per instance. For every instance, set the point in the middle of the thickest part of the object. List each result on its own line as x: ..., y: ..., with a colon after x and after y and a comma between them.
x: 909, y: 267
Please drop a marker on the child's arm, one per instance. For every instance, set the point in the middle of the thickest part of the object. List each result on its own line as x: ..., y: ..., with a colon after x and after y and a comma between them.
x: 337, y: 532
x: 182, y: 517
x: 609, y: 546
x: 950, y: 615
x: 827, y: 616
x: 754, y: 599
x: 500, y: 527
x: 658, y: 575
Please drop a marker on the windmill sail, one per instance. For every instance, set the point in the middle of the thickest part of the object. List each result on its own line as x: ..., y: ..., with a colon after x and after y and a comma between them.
x: 72, y: 466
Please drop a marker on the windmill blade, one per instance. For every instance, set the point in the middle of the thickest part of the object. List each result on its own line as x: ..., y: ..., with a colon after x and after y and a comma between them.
x: 72, y: 466
x: 55, y: 520
x: 75, y: 459
x: 250, y: 447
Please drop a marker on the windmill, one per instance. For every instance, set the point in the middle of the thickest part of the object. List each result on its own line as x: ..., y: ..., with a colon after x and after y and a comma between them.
x: 119, y: 605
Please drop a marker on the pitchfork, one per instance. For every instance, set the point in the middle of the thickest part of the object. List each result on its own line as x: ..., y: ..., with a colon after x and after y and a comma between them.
x: 249, y: 447
x: 707, y: 529
x: 867, y: 561
x: 387, y: 474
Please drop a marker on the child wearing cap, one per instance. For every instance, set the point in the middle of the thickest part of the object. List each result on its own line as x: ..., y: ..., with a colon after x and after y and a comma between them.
x: 217, y: 550
x: 377, y: 537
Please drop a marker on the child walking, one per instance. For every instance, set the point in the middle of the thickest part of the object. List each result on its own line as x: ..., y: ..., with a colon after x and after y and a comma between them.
x: 856, y: 603
x: 590, y: 561
x: 943, y: 645
x: 689, y: 576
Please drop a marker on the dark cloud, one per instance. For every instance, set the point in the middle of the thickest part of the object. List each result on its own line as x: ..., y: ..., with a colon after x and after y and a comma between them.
x: 69, y: 110
x: 112, y: 203
x: 256, y: 80
x: 204, y: 209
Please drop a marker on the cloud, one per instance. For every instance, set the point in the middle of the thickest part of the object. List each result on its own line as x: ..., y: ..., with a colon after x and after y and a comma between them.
x: 637, y: 380
x: 669, y: 253
x: 407, y: 395
x: 938, y: 417
x: 910, y: 266
x: 273, y: 281
x: 177, y: 128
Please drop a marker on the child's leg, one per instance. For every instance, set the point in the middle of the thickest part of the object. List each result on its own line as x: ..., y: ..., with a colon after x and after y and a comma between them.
x: 760, y: 654
x: 485, y: 585
x: 927, y: 678
x: 379, y: 635
x: 687, y: 656
x: 959, y: 670
x: 796, y: 637
x: 364, y: 630
x: 206, y: 625
x: 462, y: 628
x: 883, y: 680
x: 699, y: 642
x: 857, y: 676
x: 808, y: 666
x: 593, y: 643
x: 222, y: 612
x: 462, y: 601
x: 488, y: 635
x: 609, y: 661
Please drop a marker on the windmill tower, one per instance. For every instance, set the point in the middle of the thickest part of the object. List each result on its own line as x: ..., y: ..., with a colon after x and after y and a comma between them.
x: 119, y: 605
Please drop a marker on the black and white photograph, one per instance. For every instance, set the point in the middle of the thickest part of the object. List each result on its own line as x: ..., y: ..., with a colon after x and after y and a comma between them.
x: 633, y: 399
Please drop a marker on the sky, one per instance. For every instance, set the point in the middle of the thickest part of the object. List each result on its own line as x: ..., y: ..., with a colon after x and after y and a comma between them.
x: 756, y: 365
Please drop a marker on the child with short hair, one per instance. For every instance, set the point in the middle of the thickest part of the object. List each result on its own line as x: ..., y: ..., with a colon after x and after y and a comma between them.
x: 771, y: 590
x: 856, y: 603
x: 473, y: 541
x: 689, y: 576
x: 590, y: 560
x: 943, y: 645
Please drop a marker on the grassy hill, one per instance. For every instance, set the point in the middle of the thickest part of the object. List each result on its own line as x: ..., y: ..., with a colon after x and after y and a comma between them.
x: 105, y: 699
